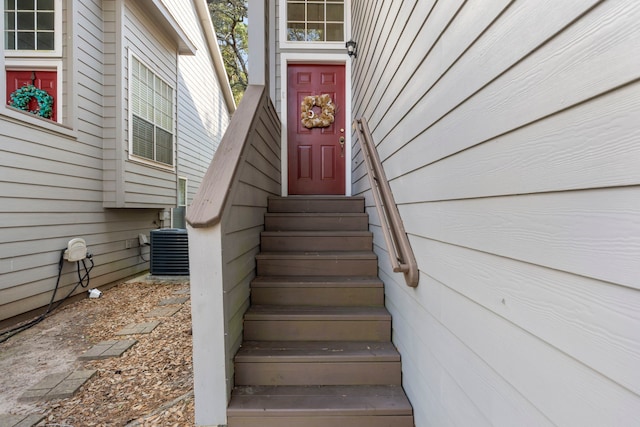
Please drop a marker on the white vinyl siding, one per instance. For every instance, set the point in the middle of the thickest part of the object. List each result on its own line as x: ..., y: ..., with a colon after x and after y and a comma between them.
x: 508, y: 132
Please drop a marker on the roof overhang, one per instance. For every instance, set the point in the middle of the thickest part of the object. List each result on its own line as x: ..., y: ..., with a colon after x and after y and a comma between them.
x: 161, y: 15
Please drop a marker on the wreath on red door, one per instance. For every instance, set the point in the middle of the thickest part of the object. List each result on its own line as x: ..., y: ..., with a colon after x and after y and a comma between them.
x: 312, y: 120
x: 20, y: 99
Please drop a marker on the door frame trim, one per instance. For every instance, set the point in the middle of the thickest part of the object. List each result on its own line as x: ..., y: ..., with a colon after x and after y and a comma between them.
x: 320, y: 59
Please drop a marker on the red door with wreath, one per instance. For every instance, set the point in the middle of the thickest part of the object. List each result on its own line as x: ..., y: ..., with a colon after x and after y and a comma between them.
x: 45, y: 80
x: 316, y: 154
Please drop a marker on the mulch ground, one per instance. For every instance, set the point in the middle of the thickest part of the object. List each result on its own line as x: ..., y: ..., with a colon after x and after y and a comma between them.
x: 151, y: 384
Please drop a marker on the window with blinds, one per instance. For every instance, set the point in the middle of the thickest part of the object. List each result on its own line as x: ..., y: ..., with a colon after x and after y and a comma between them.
x: 152, y: 115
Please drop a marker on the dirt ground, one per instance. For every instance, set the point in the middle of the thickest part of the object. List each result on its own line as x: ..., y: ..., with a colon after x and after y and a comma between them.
x: 150, y: 385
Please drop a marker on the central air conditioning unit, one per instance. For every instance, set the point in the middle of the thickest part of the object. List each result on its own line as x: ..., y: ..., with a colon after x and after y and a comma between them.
x: 169, y: 252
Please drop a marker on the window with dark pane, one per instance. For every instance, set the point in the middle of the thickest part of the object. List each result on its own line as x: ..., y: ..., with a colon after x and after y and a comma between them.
x: 29, y: 25
x: 315, y: 20
x: 178, y: 213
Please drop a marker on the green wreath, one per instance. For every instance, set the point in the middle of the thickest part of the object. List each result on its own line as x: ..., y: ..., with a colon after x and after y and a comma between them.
x: 20, y: 99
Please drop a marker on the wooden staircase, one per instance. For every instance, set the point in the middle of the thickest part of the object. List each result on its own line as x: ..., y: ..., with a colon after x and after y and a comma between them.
x: 317, y: 345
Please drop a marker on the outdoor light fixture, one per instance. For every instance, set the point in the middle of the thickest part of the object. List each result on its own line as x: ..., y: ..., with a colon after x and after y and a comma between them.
x: 352, y: 48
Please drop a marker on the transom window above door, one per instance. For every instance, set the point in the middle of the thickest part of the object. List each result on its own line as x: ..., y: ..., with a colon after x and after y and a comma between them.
x: 315, y: 20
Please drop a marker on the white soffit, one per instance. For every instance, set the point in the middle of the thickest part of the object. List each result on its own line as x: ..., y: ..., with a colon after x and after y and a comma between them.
x: 161, y: 15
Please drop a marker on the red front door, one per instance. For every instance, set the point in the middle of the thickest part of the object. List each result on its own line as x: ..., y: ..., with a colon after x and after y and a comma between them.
x: 45, y: 80
x: 316, y: 156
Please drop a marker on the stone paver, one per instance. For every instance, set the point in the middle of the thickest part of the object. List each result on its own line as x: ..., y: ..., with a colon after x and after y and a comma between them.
x: 58, y: 386
x: 165, y: 279
x: 9, y: 420
x: 106, y: 349
x: 176, y: 300
x: 163, y: 312
x: 138, y: 328
x: 182, y: 291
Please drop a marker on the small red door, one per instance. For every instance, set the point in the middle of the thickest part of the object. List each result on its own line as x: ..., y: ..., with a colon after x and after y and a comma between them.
x: 316, y: 156
x: 45, y: 80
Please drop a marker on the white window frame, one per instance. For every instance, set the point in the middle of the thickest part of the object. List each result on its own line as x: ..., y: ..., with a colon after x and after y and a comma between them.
x: 58, y: 33
x: 287, y: 58
x: 132, y: 156
x: 38, y: 60
x: 287, y: 44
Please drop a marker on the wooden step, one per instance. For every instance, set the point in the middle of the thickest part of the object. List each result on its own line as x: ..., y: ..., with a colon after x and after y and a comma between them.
x: 316, y: 204
x: 316, y: 221
x: 319, y: 406
x: 361, y: 263
x: 317, y: 363
x: 272, y: 241
x: 316, y: 349
x: 309, y: 323
x: 317, y: 290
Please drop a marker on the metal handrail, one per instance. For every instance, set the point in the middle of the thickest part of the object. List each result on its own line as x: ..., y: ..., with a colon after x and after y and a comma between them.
x: 400, y: 252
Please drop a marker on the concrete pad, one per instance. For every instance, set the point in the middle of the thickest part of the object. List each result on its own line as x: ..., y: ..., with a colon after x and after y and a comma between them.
x: 50, y: 381
x: 58, y: 386
x: 176, y: 300
x: 163, y: 312
x: 182, y: 291
x: 107, y: 349
x: 9, y: 420
x: 138, y: 328
x: 66, y: 389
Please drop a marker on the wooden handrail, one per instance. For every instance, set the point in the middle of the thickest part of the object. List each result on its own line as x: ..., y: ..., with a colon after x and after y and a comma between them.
x: 400, y: 252
x: 214, y: 191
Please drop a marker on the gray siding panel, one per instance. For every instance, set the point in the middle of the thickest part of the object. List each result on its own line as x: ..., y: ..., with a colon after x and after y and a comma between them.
x: 199, y: 91
x: 54, y: 196
x: 229, y: 231
x: 258, y: 178
x: 159, y: 54
x: 508, y: 132
x: 54, y: 187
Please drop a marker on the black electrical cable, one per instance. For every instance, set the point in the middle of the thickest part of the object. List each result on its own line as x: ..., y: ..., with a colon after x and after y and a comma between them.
x: 11, y: 332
